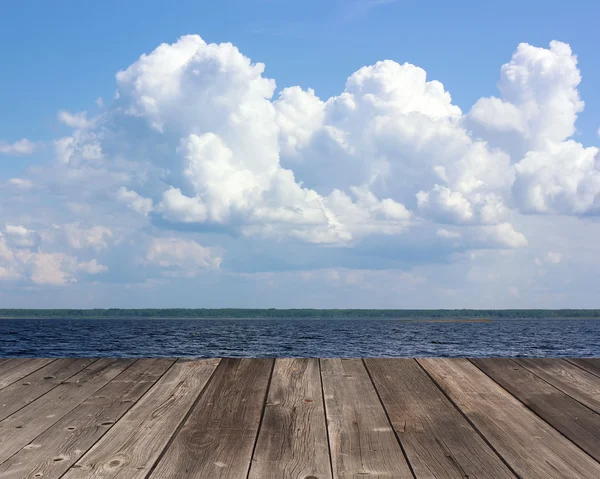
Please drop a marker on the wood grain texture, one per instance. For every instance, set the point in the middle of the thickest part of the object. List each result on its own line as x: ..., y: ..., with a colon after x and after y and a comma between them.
x: 579, y: 423
x: 438, y: 441
x: 218, y: 437
x: 529, y: 445
x: 18, y: 368
x: 4, y: 361
x: 363, y: 443
x: 17, y: 430
x: 591, y: 365
x: 161, y: 418
x: 132, y: 446
x: 38, y: 383
x: 292, y: 442
x: 572, y: 380
x: 56, y: 449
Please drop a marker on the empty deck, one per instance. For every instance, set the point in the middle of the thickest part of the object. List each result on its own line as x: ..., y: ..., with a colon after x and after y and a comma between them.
x: 299, y: 418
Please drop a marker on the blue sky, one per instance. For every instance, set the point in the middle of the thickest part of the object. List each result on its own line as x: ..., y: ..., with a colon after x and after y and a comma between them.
x: 507, y: 221
x: 63, y: 55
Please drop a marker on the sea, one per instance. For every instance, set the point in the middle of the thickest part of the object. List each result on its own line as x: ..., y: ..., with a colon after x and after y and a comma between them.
x: 200, y: 338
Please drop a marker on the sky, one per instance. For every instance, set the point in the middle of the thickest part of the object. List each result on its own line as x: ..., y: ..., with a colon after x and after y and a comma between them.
x: 326, y: 154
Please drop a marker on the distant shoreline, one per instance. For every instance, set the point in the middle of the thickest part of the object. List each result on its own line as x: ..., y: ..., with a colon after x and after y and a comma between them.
x: 313, y: 318
x: 450, y: 320
x: 438, y: 315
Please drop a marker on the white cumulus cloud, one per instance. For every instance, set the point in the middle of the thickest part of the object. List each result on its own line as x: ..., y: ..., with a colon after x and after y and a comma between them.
x: 225, y: 168
x: 564, y: 178
x: 196, y: 142
x: 533, y: 121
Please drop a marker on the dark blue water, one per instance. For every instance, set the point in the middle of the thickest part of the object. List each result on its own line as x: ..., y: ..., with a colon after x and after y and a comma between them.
x: 296, y: 337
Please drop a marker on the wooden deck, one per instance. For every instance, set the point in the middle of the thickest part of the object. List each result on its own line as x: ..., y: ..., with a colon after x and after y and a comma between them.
x: 299, y: 418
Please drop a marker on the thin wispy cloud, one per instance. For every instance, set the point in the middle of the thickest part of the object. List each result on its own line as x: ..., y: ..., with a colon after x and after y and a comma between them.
x: 18, y: 148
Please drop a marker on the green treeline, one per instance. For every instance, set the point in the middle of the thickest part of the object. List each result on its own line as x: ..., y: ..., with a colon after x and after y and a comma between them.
x: 302, y: 313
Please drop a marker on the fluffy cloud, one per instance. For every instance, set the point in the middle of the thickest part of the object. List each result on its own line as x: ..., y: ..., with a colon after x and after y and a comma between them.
x: 178, y: 256
x: 18, y: 148
x: 20, y: 236
x: 75, y: 120
x: 399, y: 135
x: 564, y: 178
x: 195, y: 143
x: 447, y: 206
x: 134, y: 201
x: 533, y: 121
x: 539, y: 102
x: 299, y: 113
x: 96, y: 237
x: 500, y: 236
x: 21, y: 259
x: 80, y: 149
x: 317, y: 171
x: 48, y: 268
x: 225, y: 168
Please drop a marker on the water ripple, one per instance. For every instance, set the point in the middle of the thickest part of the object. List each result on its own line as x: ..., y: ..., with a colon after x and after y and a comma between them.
x: 296, y: 338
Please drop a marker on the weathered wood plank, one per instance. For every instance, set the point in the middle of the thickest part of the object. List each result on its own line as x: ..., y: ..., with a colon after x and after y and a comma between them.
x: 38, y: 383
x: 17, y: 430
x: 4, y: 362
x: 217, y: 439
x: 292, y: 442
x: 529, y: 445
x: 591, y: 365
x: 438, y: 441
x: 363, y: 443
x: 580, y: 424
x: 18, y: 368
x: 55, y: 450
x: 132, y: 446
x: 574, y: 381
